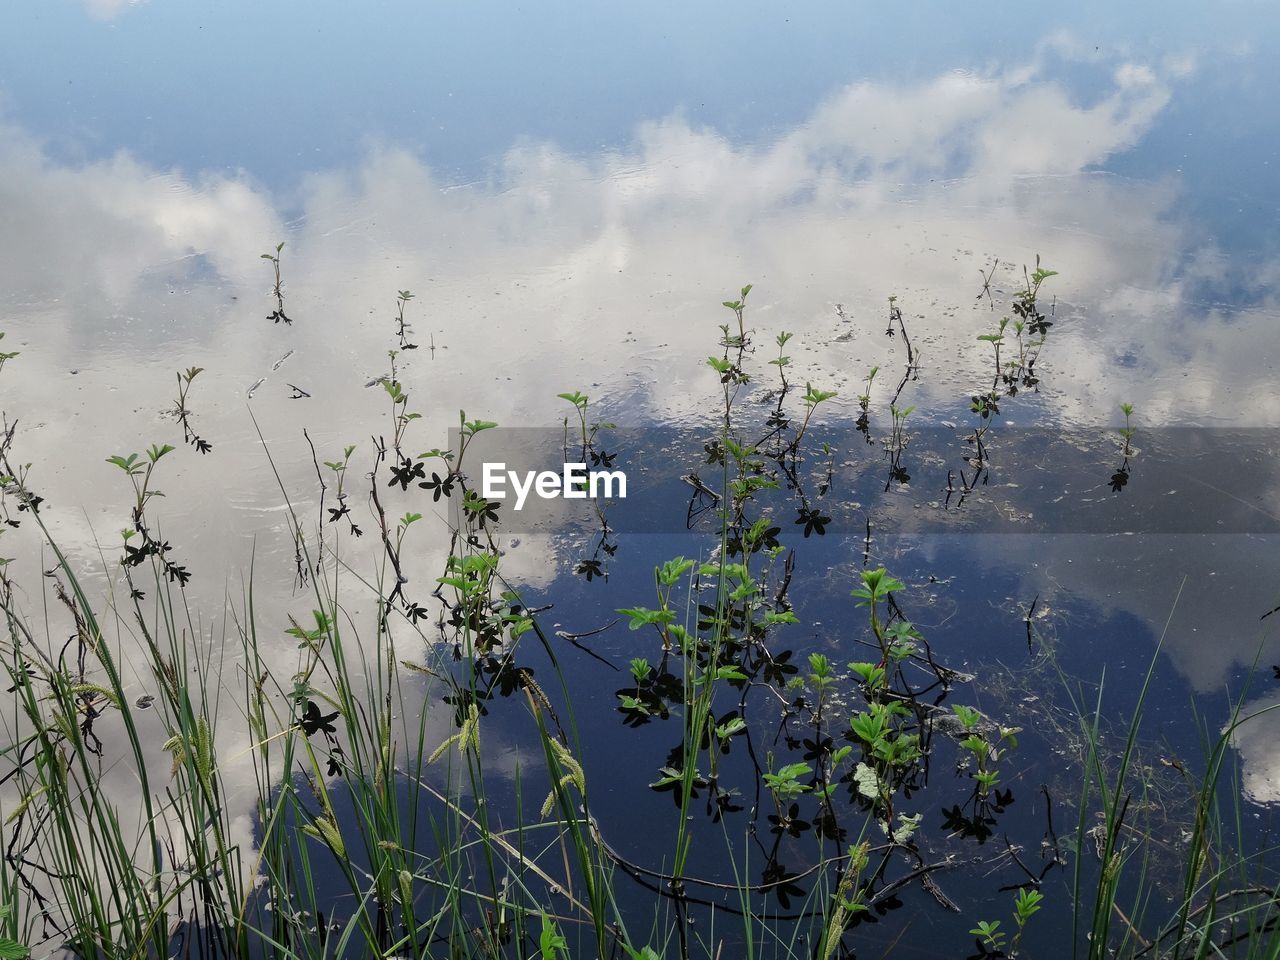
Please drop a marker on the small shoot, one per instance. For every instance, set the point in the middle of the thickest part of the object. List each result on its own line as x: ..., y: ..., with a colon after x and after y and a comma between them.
x: 277, y: 315
x: 738, y: 307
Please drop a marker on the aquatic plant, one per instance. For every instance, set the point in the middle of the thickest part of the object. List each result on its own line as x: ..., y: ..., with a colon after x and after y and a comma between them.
x: 377, y: 833
x: 183, y: 412
x: 8, y: 355
x: 402, y: 327
x: 864, y: 398
x: 277, y: 290
x: 1127, y: 431
x: 738, y: 307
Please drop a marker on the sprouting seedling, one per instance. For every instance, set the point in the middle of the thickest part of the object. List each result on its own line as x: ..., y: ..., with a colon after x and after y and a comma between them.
x: 343, y: 509
x: 876, y: 587
x: 1120, y: 478
x: 985, y: 406
x: 897, y: 439
x: 988, y: 932
x: 467, y: 431
x: 1025, y: 303
x: 1127, y: 431
x: 402, y: 328
x: 739, y: 307
x: 139, y: 471
x: 402, y: 527
x: 6, y: 355
x: 822, y: 677
x: 1025, y: 905
x: 183, y: 412
x: 1028, y: 322
x: 812, y: 397
x: 1031, y: 322
x: 579, y: 401
x: 401, y: 417
x: 784, y: 783
x: 277, y: 291
x: 782, y: 361
x: 864, y: 398
x: 986, y: 752
x: 898, y: 443
x: 996, y: 339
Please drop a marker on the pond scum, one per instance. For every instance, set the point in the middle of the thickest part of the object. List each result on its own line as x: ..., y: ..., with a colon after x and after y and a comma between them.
x: 372, y: 839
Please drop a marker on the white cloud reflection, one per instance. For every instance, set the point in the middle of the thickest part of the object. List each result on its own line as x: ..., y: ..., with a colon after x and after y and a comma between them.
x: 109, y: 9
x: 1258, y: 741
x: 603, y: 273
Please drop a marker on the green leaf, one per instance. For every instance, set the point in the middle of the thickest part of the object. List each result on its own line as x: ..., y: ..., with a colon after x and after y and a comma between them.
x: 1026, y: 903
x: 814, y: 397
x: 734, y: 726
x: 672, y: 570
x: 550, y: 943
x: 793, y: 771
x: 127, y: 464
x: 784, y: 616
x: 642, y: 616
x: 969, y: 717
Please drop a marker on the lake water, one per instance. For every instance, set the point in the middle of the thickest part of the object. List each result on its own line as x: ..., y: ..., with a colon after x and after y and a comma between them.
x: 570, y: 194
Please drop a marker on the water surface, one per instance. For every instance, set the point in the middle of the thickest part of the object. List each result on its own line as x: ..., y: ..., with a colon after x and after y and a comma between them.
x: 570, y: 196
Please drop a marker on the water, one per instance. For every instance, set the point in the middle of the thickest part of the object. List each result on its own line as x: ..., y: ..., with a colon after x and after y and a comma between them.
x: 570, y: 196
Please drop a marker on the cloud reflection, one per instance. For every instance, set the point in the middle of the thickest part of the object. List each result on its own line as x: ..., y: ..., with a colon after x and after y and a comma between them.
x: 599, y: 272
x: 109, y: 9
